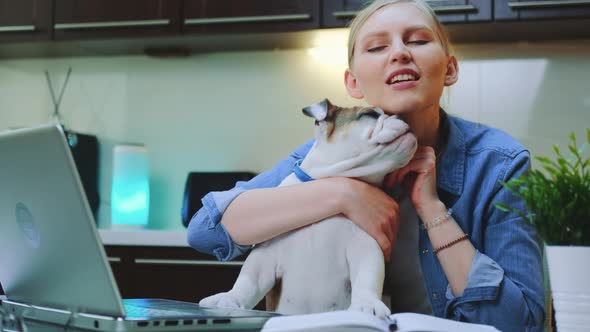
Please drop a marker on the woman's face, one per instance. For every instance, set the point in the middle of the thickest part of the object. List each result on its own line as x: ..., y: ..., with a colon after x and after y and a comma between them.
x: 399, y: 64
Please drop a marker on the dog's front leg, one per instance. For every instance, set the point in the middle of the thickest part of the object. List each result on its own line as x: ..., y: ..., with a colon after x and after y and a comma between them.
x: 367, y: 272
x: 257, y: 277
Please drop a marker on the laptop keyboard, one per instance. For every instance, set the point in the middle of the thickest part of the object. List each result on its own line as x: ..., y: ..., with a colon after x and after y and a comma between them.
x: 139, y: 311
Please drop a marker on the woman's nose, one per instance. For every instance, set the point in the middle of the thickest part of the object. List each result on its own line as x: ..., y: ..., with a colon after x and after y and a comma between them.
x: 399, y: 52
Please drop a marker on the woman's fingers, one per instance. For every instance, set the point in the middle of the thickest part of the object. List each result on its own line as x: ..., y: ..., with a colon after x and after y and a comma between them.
x: 385, y: 245
x: 423, y: 162
x: 375, y: 212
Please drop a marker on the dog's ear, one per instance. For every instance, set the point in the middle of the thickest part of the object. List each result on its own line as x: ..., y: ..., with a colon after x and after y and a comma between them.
x: 319, y: 111
x: 324, y: 114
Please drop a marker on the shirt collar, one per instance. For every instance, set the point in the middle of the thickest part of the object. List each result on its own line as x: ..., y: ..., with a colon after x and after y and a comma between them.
x: 300, y: 173
x: 451, y: 163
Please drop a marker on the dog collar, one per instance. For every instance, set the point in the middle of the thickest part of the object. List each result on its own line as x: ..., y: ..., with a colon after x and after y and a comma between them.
x: 301, y: 174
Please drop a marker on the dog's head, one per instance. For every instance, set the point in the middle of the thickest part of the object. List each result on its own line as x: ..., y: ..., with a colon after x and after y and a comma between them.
x: 361, y: 142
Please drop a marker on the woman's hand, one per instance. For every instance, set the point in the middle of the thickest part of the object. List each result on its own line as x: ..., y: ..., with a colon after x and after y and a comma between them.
x: 419, y: 179
x: 373, y: 211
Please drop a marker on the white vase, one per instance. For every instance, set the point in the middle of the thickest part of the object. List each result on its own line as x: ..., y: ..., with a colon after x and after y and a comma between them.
x: 569, y: 277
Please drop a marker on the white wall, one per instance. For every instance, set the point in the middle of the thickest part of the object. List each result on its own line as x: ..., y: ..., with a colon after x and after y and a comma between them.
x: 242, y: 110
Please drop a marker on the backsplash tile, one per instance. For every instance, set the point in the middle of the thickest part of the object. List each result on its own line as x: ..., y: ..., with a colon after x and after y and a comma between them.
x: 242, y: 110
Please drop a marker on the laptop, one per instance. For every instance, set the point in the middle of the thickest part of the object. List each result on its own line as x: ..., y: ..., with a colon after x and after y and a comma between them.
x: 53, y: 267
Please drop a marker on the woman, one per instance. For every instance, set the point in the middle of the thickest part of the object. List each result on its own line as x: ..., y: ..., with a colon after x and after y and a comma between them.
x: 468, y: 261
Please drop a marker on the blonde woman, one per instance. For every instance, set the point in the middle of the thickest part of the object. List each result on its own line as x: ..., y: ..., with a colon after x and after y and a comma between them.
x: 456, y: 256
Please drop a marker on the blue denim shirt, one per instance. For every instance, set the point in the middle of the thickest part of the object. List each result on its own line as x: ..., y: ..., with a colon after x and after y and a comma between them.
x: 505, y: 282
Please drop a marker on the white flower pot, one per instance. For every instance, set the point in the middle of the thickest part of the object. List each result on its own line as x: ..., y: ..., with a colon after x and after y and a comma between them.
x: 569, y: 277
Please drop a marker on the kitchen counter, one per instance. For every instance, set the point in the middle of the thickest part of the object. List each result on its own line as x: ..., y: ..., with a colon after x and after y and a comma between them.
x: 140, y: 237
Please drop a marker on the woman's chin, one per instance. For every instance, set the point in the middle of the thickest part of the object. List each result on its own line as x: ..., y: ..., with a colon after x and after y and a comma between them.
x: 399, y: 110
x: 405, y: 107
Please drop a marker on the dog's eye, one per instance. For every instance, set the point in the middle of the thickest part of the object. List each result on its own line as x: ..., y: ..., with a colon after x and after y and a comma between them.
x: 371, y: 114
x: 317, y: 123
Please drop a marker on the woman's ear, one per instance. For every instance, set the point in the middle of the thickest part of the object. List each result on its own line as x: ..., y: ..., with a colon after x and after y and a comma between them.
x: 452, y: 74
x: 352, y: 85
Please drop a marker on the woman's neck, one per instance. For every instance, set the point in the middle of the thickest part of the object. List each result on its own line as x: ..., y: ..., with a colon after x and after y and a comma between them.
x: 425, y: 125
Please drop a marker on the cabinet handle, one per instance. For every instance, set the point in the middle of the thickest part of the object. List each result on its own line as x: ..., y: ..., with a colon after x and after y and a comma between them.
x: 113, y: 24
x: 547, y: 4
x: 454, y: 9
x: 17, y: 28
x: 114, y: 259
x: 247, y: 19
x: 437, y: 10
x: 345, y: 14
x: 185, y: 262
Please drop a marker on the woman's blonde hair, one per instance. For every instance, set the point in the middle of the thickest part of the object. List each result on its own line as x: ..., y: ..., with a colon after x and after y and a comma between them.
x: 364, y: 15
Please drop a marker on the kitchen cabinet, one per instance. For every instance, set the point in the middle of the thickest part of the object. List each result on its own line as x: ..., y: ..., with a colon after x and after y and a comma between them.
x: 541, y: 9
x: 239, y: 16
x: 178, y: 273
x: 338, y: 13
x: 83, y: 19
x: 181, y: 27
x: 25, y: 20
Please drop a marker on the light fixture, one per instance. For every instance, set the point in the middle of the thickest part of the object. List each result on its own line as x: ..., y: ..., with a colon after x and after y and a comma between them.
x: 130, y: 194
x: 329, y: 48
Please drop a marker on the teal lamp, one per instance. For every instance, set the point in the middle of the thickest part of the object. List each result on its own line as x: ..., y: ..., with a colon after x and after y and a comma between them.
x: 130, y: 193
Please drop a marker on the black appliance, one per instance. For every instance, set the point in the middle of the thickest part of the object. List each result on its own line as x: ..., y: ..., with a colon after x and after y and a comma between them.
x: 85, y: 152
x: 199, y: 184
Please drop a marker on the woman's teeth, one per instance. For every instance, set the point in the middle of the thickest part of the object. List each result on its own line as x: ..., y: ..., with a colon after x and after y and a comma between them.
x: 402, y: 78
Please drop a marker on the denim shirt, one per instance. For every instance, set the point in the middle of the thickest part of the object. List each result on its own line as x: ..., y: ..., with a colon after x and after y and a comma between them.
x: 505, y: 282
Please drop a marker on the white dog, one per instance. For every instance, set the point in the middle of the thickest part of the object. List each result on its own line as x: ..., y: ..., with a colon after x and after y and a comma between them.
x: 332, y: 264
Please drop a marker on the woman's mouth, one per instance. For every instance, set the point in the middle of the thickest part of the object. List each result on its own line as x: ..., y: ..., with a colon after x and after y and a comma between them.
x: 400, y: 78
x: 403, y: 79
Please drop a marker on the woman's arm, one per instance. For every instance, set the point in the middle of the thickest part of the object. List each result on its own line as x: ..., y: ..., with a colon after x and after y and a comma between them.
x: 502, y: 287
x: 505, y: 282
x: 261, y: 214
x: 257, y: 210
x: 419, y: 176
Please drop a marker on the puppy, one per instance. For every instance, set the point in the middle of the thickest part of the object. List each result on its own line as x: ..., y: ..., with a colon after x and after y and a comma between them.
x: 332, y: 264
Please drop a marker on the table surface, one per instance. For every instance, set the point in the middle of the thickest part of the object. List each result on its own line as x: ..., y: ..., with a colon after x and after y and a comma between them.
x: 136, y: 237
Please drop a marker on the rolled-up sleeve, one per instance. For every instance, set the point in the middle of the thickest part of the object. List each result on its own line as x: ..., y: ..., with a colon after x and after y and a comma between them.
x: 504, y: 285
x: 205, y: 231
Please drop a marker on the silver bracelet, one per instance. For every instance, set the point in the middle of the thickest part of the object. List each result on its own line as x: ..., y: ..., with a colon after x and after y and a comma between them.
x: 437, y: 221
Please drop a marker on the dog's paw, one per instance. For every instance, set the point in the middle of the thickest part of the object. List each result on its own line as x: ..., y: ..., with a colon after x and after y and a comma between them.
x: 371, y: 306
x: 222, y: 300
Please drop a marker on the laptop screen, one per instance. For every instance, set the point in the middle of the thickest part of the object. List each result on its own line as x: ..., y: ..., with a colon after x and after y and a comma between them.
x: 50, y: 251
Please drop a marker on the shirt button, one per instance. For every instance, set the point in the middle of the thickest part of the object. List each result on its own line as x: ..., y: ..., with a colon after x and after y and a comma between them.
x: 424, y: 251
x: 435, y: 296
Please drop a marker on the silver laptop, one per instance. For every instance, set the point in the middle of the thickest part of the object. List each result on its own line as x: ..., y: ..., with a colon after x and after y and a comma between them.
x: 53, y: 267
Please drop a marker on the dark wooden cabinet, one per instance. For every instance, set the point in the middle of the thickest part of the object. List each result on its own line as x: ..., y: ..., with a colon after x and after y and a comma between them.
x: 25, y: 20
x: 82, y: 19
x: 177, y: 273
x: 463, y: 11
x: 338, y: 13
x: 239, y: 16
x: 179, y: 27
x: 541, y: 9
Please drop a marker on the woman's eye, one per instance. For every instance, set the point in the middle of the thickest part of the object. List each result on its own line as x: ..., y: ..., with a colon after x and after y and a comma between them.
x: 376, y: 49
x: 418, y: 42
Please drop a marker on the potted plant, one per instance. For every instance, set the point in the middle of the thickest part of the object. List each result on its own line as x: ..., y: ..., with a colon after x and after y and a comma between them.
x: 557, y: 198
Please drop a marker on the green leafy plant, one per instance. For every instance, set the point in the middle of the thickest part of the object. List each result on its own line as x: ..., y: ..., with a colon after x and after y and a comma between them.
x: 558, y: 196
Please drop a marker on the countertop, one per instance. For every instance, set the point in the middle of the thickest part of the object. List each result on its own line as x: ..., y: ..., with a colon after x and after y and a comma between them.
x: 141, y: 237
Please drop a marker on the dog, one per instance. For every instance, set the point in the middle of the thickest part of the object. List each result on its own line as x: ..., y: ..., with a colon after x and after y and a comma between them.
x: 332, y: 264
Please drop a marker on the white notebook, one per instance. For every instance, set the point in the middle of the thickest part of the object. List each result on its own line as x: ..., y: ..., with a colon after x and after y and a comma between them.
x: 348, y: 321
